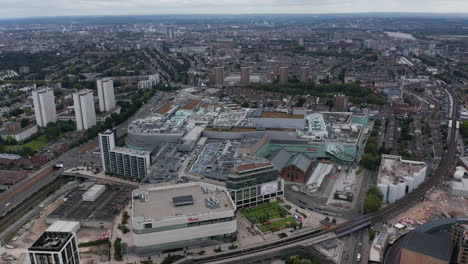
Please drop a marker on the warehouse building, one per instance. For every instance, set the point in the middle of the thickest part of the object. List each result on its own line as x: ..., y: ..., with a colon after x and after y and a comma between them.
x: 177, y: 217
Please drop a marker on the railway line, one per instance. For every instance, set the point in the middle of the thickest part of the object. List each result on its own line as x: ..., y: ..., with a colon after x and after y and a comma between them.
x: 26, y: 206
x: 441, y: 173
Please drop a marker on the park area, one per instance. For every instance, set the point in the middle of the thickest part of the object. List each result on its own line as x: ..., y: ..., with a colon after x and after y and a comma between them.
x: 36, y: 144
x: 269, y: 217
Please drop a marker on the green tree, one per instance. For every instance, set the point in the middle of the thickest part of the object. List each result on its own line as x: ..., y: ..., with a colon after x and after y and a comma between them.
x: 24, y: 122
x: 373, y: 200
x: 370, y: 161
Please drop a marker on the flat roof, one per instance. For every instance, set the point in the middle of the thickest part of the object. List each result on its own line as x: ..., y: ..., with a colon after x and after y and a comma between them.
x: 280, y: 115
x: 252, y: 166
x: 191, y: 105
x: 164, y: 109
x: 393, y: 169
x: 159, y: 202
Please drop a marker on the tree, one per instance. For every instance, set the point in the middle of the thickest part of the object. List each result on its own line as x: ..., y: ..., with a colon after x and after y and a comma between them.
x: 370, y: 161
x: 373, y: 200
x: 52, y: 132
x: 24, y: 122
x: 371, y: 234
x: 371, y: 148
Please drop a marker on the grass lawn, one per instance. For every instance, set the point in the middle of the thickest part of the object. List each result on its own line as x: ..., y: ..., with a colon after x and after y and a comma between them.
x: 36, y: 144
x: 270, y: 210
x: 278, y: 225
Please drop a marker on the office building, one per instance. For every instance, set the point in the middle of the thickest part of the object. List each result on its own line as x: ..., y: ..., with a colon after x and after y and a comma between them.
x: 182, y: 216
x: 219, y: 76
x: 85, y: 114
x: 170, y: 32
x: 254, y: 183
x: 56, y: 247
x: 123, y: 162
x: 245, y: 76
x: 283, y: 75
x: 44, y: 106
x: 106, y: 95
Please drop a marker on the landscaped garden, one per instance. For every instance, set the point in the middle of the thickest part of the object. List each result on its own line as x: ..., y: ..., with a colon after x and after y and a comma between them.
x: 270, y: 217
x: 278, y: 224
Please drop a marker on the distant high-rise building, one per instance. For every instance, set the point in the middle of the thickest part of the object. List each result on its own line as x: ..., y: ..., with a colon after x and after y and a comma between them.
x: 304, y: 74
x: 245, y: 76
x: 301, y: 42
x: 83, y: 102
x: 340, y: 103
x: 283, y: 75
x: 24, y: 69
x: 106, y: 95
x: 170, y: 32
x: 219, y: 76
x: 44, y: 106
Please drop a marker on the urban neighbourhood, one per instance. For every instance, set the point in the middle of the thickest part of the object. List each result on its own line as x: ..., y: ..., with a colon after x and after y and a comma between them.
x: 234, y: 139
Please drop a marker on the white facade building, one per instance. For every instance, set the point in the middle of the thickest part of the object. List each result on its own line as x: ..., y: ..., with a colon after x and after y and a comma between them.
x: 83, y: 102
x: 397, y: 177
x: 20, y: 135
x: 182, y: 216
x: 152, y: 81
x: 44, y: 106
x: 124, y: 162
x: 106, y: 95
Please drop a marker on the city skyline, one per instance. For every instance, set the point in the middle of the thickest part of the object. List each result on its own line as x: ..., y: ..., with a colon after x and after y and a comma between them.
x: 51, y: 8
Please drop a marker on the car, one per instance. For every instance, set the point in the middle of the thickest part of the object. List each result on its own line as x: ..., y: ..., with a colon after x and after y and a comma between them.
x: 358, y: 258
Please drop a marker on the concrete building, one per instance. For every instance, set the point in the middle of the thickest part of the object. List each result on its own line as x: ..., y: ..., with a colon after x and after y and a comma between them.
x: 459, y: 184
x: 283, y: 75
x: 245, y: 76
x: 85, y: 114
x: 55, y: 247
x: 304, y: 74
x: 219, y: 76
x: 170, y: 32
x: 106, y: 95
x: 254, y: 183
x: 340, y: 103
x: 44, y: 106
x: 147, y: 84
x: 182, y: 216
x: 19, y: 134
x: 397, y: 177
x: 459, y: 236
x: 123, y: 162
x: 190, y: 139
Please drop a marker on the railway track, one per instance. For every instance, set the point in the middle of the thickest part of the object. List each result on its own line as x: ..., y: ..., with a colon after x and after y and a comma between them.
x: 26, y: 206
x: 441, y: 173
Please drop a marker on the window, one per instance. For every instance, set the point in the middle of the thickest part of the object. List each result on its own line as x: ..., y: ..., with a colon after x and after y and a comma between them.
x: 149, y: 225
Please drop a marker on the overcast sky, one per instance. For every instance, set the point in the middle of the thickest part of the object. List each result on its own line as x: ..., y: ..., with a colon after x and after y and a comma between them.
x: 33, y: 8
